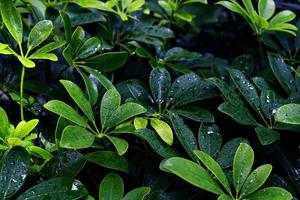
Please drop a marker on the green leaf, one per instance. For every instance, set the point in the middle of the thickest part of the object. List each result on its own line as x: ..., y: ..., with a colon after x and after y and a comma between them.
x: 39, y: 33
x: 43, y: 52
x: 66, y: 111
x: 39, y: 152
x: 214, y: 168
x: 270, y: 193
x: 91, y: 88
x: 224, y: 197
x: 184, y: 134
x: 191, y: 172
x: 209, y: 139
x: 13, y: 171
x: 248, y: 5
x: 255, y: 180
x: 24, y: 128
x: 160, y: 83
x: 3, y: 46
x: 111, y: 101
x: 282, y: 72
x: 184, y: 15
x: 194, y: 1
x: 163, y: 129
x: 189, y: 88
x: 266, y: 136
x: 100, y: 77
x: 107, y: 62
x: 282, y: 17
x: 289, y: 113
x: 156, y: 143
x: 26, y: 62
x: 140, y: 122
x: 111, y: 187
x: 125, y: 112
x: 108, y: 159
x: 12, y: 20
x: 120, y: 144
x: 137, y: 193
x: 75, y: 137
x: 242, y: 164
x: 4, y: 123
x: 246, y: 88
x: 56, y: 188
x: 65, y: 164
x: 67, y: 25
x: 269, y: 102
x: 78, y: 96
x: 89, y: 48
x: 266, y: 8
x: 226, y: 155
x: 195, y: 113
x: 135, y: 6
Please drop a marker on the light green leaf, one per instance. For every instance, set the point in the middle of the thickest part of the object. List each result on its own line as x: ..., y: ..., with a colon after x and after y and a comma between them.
x: 163, y: 129
x: 40, y: 152
x: 282, y: 17
x: 39, y: 33
x: 255, y: 180
x: 140, y: 122
x: 242, y: 164
x: 12, y: 20
x: 26, y: 62
x: 24, y: 128
x: 289, y: 113
x: 266, y: 8
x: 270, y: 193
x: 4, y: 123
x: 120, y: 144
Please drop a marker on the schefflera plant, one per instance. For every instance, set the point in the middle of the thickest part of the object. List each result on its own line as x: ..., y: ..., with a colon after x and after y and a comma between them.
x: 21, y: 135
x: 210, y: 176
x: 84, y: 130
x: 263, y: 19
x: 12, y: 20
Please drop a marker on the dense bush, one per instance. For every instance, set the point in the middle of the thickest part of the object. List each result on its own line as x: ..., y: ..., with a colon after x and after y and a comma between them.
x: 156, y: 100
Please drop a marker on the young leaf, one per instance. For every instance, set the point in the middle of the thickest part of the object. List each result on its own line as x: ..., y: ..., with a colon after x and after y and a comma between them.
x: 24, y: 128
x: 4, y: 123
x: 191, y: 172
x: 266, y: 8
x: 163, y: 129
x: 255, y: 180
x: 108, y: 159
x: 56, y: 188
x: 26, y: 62
x: 78, y: 96
x: 137, y: 193
x: 111, y: 187
x: 66, y: 111
x: 242, y: 164
x: 289, y: 113
x: 12, y: 20
x: 39, y: 33
x: 75, y: 137
x: 39, y: 152
x: 282, y: 17
x: 214, y: 168
x: 140, y: 122
x: 13, y: 171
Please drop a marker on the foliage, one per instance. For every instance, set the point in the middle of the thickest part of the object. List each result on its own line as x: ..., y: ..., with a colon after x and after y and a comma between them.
x: 95, y: 95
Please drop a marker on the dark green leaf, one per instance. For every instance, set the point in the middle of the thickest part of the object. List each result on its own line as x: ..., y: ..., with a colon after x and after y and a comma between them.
x: 160, y: 82
x: 195, y: 113
x: 137, y: 194
x: 266, y: 136
x: 39, y: 33
x: 209, y: 139
x: 111, y: 187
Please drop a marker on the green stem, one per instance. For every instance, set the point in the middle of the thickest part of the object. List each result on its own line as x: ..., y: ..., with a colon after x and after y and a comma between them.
x: 21, y: 92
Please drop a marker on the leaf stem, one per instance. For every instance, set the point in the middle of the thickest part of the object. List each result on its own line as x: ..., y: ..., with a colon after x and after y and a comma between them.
x: 21, y: 92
